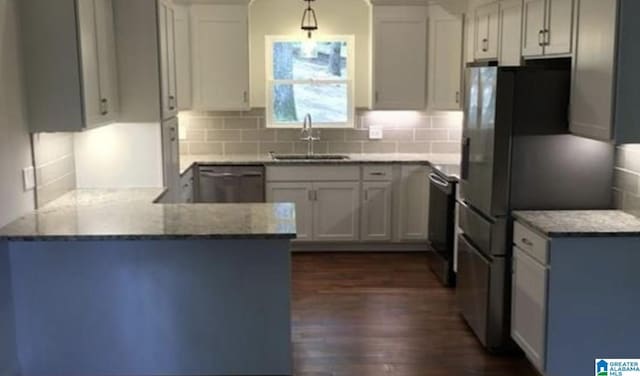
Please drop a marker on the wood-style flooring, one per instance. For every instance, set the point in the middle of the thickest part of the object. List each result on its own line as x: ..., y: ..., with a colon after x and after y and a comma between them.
x: 383, y: 314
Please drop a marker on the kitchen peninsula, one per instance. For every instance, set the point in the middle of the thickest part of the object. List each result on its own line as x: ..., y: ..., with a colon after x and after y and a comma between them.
x: 106, y: 282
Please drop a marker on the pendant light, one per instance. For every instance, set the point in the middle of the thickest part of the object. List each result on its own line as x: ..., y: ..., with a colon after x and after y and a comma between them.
x: 309, y: 21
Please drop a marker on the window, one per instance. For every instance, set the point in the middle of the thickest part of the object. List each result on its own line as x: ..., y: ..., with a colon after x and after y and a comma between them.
x: 310, y: 77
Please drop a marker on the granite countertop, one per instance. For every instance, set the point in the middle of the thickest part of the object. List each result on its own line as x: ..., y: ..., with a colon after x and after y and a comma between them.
x: 187, y: 161
x: 581, y: 223
x: 123, y: 214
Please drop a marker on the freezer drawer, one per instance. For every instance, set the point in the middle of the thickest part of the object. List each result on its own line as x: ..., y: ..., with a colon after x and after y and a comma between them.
x: 481, y: 293
x: 490, y: 235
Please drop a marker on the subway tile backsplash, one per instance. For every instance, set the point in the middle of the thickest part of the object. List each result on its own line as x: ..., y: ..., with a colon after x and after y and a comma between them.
x: 626, y: 185
x: 244, y: 132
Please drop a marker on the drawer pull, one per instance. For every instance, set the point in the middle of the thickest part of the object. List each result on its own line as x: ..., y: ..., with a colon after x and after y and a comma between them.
x: 527, y: 242
x: 377, y: 174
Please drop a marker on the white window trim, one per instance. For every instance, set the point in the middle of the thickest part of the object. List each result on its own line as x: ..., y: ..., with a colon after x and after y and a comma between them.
x: 350, y: 39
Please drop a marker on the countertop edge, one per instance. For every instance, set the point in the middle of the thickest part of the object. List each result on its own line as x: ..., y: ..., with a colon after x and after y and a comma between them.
x: 572, y: 234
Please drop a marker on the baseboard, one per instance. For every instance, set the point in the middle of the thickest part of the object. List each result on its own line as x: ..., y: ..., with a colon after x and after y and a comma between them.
x: 311, y: 246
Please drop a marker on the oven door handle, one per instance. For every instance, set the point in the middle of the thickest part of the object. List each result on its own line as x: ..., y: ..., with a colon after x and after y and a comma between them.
x: 438, y: 180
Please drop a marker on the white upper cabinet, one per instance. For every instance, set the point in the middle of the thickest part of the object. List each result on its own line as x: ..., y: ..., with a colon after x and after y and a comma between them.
x: 445, y: 59
x: 486, y: 33
x: 510, y: 33
x: 166, y: 24
x: 220, y: 57
x: 182, y: 31
x: 67, y: 93
x: 547, y: 27
x: 399, y: 57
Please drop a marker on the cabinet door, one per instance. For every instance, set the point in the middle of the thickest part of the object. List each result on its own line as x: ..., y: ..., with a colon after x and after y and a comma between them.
x: 107, y: 64
x: 593, y: 80
x: 529, y: 306
x: 533, y: 26
x: 336, y: 214
x: 166, y: 22
x: 487, y: 31
x: 376, y: 210
x: 399, y: 58
x: 89, y: 57
x: 220, y: 57
x: 413, y: 215
x: 300, y: 195
x: 445, y: 59
x: 183, y: 57
x: 559, y: 27
x: 171, y: 158
x: 510, y: 33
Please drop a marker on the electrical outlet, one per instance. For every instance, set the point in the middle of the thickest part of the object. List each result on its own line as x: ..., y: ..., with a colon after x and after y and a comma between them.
x: 375, y: 132
x: 28, y: 178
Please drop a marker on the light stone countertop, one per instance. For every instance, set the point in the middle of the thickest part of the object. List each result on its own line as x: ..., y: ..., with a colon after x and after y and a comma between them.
x: 581, y: 223
x: 130, y: 214
x: 187, y: 161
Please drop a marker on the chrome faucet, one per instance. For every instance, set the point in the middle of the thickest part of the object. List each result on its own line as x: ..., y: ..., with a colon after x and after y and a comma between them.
x: 307, y: 133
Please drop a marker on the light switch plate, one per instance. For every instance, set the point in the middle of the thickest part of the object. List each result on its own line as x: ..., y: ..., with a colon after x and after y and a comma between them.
x: 28, y: 178
x: 375, y: 132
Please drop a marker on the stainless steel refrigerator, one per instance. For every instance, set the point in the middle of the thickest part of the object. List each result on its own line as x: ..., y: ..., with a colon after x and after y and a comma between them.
x: 517, y: 154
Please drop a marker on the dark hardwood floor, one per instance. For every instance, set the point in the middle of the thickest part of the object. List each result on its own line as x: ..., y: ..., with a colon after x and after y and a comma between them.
x: 383, y: 314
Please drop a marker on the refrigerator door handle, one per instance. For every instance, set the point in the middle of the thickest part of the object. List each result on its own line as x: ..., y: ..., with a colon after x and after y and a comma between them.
x: 464, y: 166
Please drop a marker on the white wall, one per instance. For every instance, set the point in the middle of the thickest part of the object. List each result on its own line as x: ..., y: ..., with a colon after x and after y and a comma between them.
x: 282, y: 17
x: 119, y: 156
x: 15, y: 149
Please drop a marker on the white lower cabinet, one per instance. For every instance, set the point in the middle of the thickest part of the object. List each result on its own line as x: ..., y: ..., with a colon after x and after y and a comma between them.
x: 412, y: 212
x: 298, y: 193
x: 336, y: 212
x: 529, y: 300
x: 376, y: 211
x: 351, y: 203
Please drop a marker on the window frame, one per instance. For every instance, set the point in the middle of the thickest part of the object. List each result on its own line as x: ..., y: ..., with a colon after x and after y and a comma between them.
x: 270, y: 82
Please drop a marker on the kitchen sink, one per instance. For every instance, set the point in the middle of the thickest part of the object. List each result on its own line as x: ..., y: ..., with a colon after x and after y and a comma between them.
x: 309, y: 157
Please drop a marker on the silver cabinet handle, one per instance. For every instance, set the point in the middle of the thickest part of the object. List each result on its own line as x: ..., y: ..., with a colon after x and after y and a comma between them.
x: 172, y: 102
x: 457, y: 97
x: 245, y: 97
x: 438, y: 180
x: 541, y: 38
x: 104, y: 106
x: 377, y: 174
x: 485, y: 45
x: 527, y: 242
x: 377, y: 97
x: 547, y: 37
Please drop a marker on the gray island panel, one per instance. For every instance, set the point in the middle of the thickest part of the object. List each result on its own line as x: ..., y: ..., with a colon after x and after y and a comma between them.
x: 8, y: 353
x: 150, y: 307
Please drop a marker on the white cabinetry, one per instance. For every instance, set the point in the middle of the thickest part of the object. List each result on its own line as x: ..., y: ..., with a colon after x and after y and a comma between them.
x: 166, y: 24
x: 66, y: 93
x: 182, y: 33
x: 510, y: 33
x: 547, y: 27
x: 327, y: 199
x: 528, y: 321
x: 220, y: 57
x: 486, y: 33
x: 445, y: 59
x: 413, y: 210
x: 399, y: 57
x: 376, y: 210
x: 298, y: 193
x: 336, y: 214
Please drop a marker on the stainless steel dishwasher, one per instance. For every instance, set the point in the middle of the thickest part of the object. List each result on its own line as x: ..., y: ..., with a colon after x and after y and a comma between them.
x: 223, y: 184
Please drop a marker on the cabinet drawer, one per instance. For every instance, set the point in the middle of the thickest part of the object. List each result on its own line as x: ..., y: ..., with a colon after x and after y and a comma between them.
x: 377, y: 173
x: 530, y: 242
x: 313, y: 173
